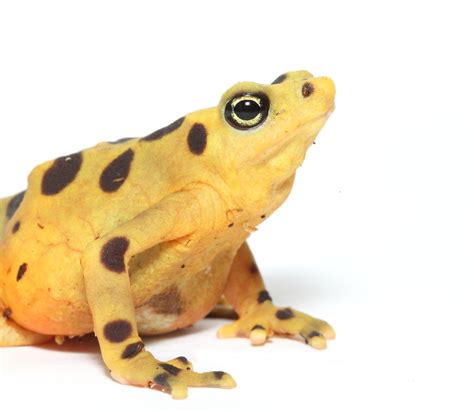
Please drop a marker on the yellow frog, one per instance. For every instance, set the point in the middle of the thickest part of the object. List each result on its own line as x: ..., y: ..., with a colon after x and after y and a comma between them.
x: 143, y: 236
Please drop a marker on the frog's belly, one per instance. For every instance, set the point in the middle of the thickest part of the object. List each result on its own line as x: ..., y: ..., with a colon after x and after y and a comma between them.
x: 180, y: 301
x: 167, y: 297
x: 179, y: 305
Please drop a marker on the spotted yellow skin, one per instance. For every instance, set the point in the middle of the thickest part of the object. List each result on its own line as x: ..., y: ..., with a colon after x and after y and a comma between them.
x: 144, y: 236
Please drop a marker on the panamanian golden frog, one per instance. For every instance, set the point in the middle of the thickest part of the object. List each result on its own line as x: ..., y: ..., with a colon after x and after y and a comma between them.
x: 143, y: 236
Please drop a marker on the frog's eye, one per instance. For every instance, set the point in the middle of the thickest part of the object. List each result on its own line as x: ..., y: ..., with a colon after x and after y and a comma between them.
x: 245, y: 111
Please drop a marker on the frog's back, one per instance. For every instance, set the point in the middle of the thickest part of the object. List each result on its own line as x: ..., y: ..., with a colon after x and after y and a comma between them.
x: 69, y: 202
x: 84, y: 195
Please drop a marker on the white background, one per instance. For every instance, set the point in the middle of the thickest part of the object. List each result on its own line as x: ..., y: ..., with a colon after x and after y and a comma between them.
x: 377, y: 236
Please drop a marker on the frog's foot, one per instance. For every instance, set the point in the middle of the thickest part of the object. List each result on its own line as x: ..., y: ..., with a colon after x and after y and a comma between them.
x: 264, y: 321
x: 174, y: 376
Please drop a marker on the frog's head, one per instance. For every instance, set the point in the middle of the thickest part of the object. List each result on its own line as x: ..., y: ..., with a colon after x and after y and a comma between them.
x: 265, y: 130
x: 255, y: 138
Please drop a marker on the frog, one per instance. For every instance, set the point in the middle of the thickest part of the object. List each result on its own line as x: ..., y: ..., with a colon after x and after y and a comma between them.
x: 145, y: 236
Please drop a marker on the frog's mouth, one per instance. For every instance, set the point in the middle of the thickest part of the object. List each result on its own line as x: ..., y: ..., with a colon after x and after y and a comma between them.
x: 297, y: 142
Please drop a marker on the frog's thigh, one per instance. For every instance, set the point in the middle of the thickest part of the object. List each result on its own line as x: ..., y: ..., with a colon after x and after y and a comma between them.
x: 12, y: 334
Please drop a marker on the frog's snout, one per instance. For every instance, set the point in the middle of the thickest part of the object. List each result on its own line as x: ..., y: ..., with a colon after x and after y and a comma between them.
x: 323, y: 86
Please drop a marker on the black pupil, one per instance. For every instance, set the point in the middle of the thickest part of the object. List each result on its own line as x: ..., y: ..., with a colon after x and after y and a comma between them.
x: 247, y: 109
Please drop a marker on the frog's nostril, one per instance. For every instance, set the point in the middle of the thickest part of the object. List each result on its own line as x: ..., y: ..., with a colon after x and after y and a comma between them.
x: 307, y: 89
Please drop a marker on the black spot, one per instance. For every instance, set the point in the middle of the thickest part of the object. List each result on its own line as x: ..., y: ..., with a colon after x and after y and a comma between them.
x: 253, y: 268
x: 132, y: 350
x: 172, y: 370
x: 164, y: 131
x: 263, y: 296
x: 167, y: 301
x: 113, y: 252
x: 280, y: 79
x: 16, y: 227
x: 284, y: 314
x: 117, y: 331
x: 197, y: 138
x: 61, y: 173
x: 183, y: 266
x: 122, y: 140
x: 21, y: 271
x: 307, y: 89
x: 183, y: 359
x: 313, y: 334
x: 263, y: 216
x: 230, y: 225
x: 14, y: 204
x: 162, y: 380
x: 116, y: 172
x: 218, y: 374
x: 257, y: 327
x: 7, y: 313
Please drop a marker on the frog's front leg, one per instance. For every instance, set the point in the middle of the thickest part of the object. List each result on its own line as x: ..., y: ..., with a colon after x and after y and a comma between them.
x: 110, y: 299
x: 258, y: 317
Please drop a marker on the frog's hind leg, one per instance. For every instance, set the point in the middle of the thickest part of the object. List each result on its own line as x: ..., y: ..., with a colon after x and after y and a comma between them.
x: 12, y: 334
x: 259, y: 318
x: 223, y: 310
x: 3, y: 212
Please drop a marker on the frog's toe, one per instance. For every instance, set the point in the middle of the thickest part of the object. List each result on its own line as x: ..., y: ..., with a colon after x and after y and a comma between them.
x: 315, y: 332
x: 323, y: 327
x: 257, y: 329
x: 229, y: 330
x: 176, y: 381
x: 215, y: 379
x: 313, y: 327
x: 164, y: 382
x: 181, y: 362
x: 314, y: 338
x: 259, y: 334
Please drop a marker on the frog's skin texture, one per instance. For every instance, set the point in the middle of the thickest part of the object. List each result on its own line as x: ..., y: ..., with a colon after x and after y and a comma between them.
x: 144, y: 236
